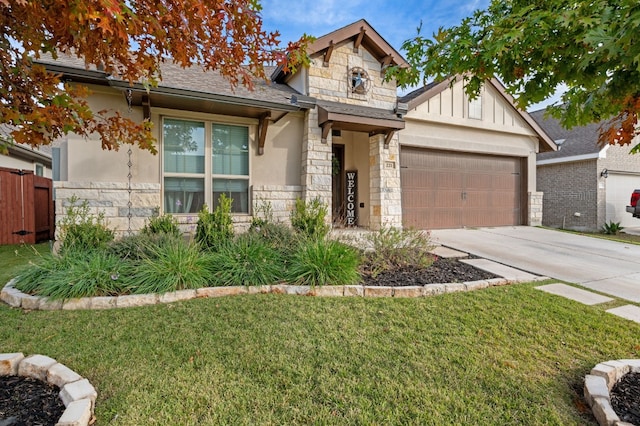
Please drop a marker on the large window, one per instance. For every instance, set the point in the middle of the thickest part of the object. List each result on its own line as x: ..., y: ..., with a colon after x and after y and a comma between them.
x: 203, y: 160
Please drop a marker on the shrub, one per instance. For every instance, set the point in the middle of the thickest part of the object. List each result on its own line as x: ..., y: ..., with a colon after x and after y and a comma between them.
x: 140, y: 246
x: 262, y: 215
x: 82, y: 231
x: 393, y: 248
x: 246, y: 261
x: 165, y: 224
x: 93, y: 273
x: 214, y: 230
x: 176, y: 265
x: 278, y: 236
x: 612, y: 228
x: 322, y: 262
x: 310, y: 218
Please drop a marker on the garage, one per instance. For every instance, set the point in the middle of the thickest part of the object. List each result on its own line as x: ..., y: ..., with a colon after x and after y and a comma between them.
x: 620, y: 185
x: 447, y: 189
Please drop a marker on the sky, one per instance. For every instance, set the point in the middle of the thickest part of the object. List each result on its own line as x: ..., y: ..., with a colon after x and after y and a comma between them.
x: 395, y: 20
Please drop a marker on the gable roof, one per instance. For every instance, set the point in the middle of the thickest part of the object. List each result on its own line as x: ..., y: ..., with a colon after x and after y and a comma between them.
x: 362, y: 34
x: 579, y: 141
x: 423, y: 94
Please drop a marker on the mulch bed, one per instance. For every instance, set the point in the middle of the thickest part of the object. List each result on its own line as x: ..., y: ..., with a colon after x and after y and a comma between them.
x: 25, y: 401
x: 625, y: 398
x: 442, y: 271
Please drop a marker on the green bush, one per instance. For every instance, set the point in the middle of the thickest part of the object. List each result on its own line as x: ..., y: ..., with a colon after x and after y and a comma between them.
x: 278, y: 236
x: 262, y: 215
x: 215, y: 230
x: 246, y: 261
x: 310, y: 218
x: 76, y: 274
x: 393, y: 248
x: 165, y: 224
x: 82, y: 231
x: 176, y: 265
x: 612, y: 228
x: 324, y: 262
x: 140, y: 246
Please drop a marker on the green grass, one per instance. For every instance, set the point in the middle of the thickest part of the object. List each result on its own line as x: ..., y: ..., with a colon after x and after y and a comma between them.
x: 13, y: 258
x: 506, y: 355
x: 621, y: 237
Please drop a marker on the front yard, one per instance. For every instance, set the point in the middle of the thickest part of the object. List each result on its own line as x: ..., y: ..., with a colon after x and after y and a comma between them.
x: 505, y: 355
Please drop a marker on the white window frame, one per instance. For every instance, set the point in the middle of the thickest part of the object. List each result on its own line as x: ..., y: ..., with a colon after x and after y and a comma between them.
x: 474, y: 107
x: 208, y: 174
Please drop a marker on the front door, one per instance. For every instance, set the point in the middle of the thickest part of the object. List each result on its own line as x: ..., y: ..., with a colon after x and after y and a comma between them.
x: 337, y: 185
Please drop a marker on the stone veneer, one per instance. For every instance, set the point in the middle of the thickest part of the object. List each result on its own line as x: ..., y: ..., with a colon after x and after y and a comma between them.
x: 76, y: 393
x: 535, y: 209
x: 111, y: 199
x: 599, y: 383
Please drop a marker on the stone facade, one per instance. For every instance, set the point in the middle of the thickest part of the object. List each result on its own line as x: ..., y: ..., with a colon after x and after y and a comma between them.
x: 111, y: 199
x: 280, y: 199
x: 535, y: 204
x: 386, y: 192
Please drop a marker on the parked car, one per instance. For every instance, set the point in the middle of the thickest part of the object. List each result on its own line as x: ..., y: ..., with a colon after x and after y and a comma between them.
x: 634, y: 208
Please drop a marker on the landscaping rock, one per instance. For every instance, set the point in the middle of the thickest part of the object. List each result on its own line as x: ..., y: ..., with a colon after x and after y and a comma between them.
x: 177, y: 296
x: 378, y: 291
x: 11, y: 296
x: 329, y: 291
x: 9, y: 363
x: 103, y: 302
x: 78, y: 413
x: 454, y: 287
x: 434, y: 289
x: 409, y: 291
x: 595, y: 387
x: 258, y: 289
x: 36, y: 366
x: 134, y: 300
x: 603, y: 412
x: 60, y: 375
x: 220, y: 291
x: 30, y: 302
x: 476, y: 285
x: 76, y: 391
x: 47, y: 304
x: 354, y: 290
x: 76, y: 304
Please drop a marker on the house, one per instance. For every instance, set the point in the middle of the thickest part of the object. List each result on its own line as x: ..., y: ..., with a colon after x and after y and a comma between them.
x: 23, y: 157
x: 335, y: 130
x: 585, y: 185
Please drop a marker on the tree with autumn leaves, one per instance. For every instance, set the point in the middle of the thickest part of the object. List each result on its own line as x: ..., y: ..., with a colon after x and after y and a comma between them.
x: 592, y: 47
x: 128, y: 40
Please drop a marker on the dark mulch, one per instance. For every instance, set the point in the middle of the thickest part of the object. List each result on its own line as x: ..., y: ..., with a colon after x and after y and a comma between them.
x: 25, y: 401
x: 440, y: 272
x: 625, y: 398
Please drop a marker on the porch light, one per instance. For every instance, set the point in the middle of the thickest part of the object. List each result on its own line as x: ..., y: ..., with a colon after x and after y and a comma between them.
x: 604, y: 173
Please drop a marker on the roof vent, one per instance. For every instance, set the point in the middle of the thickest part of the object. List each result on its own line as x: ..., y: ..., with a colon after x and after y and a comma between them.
x: 559, y: 142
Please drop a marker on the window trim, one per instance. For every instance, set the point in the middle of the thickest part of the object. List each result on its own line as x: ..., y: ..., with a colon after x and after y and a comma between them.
x: 208, y: 174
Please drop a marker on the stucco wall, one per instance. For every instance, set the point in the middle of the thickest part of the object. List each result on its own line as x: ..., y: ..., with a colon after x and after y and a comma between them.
x: 13, y: 162
x: 570, y: 195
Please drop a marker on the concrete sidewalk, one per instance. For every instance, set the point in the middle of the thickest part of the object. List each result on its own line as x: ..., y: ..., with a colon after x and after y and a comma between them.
x: 606, y: 266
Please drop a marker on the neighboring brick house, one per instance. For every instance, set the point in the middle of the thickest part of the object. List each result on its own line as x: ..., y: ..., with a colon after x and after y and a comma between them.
x: 585, y: 185
x: 332, y: 130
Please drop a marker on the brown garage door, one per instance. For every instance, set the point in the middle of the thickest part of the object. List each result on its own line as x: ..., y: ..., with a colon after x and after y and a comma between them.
x: 442, y: 189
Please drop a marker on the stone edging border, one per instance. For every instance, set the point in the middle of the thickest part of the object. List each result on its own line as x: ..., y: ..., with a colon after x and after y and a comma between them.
x: 600, y: 381
x: 15, y: 298
x: 77, y: 394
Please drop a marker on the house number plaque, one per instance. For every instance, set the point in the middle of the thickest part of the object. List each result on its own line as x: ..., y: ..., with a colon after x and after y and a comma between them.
x: 352, y: 198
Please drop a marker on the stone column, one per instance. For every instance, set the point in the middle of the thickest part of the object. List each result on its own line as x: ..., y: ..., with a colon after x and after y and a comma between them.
x: 316, y: 162
x: 386, y: 193
x: 534, y: 217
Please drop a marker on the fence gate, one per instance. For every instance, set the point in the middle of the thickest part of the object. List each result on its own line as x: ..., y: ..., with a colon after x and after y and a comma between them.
x: 26, y: 207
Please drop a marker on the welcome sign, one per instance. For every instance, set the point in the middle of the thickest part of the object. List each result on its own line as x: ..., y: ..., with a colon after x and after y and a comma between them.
x: 352, y: 198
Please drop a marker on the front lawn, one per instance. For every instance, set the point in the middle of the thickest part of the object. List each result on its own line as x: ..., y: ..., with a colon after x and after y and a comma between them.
x: 504, y: 355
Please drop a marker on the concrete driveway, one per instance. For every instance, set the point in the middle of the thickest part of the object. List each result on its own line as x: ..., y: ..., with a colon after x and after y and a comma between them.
x: 606, y: 266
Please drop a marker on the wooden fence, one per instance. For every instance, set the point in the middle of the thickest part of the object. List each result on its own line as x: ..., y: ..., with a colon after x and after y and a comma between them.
x: 26, y: 207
